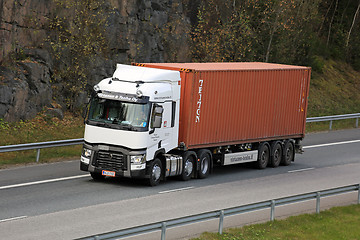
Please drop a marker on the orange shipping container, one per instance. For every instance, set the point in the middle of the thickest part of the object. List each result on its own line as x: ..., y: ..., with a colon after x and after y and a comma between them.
x: 233, y: 103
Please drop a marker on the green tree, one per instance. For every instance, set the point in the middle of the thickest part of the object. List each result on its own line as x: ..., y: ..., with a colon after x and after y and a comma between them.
x: 77, y: 39
x: 222, y: 33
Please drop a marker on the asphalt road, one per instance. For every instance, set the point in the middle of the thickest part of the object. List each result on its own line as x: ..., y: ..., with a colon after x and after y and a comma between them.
x: 58, y: 201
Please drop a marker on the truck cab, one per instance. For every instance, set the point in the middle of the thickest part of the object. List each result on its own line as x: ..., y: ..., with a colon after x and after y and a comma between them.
x: 132, y: 117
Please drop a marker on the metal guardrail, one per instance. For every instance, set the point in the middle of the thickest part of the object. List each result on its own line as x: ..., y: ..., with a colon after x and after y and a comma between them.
x: 62, y: 143
x: 40, y: 145
x: 336, y: 117
x: 221, y: 214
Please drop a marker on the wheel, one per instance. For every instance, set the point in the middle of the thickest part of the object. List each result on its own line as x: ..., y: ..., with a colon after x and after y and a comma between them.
x: 188, y: 165
x: 264, y: 156
x: 97, y: 176
x: 205, y: 163
x: 155, y: 171
x: 289, y: 153
x: 276, y: 155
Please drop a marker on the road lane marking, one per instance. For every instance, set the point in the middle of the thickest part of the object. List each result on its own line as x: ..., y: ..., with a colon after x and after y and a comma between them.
x: 11, y: 219
x: 43, y: 181
x: 301, y: 170
x: 331, y: 144
x: 176, y: 190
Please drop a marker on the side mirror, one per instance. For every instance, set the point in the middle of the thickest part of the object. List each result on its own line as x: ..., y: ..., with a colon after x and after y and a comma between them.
x: 86, y: 110
x: 156, y: 119
x: 158, y: 110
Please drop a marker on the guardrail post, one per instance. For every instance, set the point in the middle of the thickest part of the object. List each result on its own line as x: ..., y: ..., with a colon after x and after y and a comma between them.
x: 221, y: 221
x: 38, y: 155
x: 272, y: 212
x: 357, y: 123
x: 330, y: 127
x: 318, y: 202
x: 359, y: 194
x: 163, y: 230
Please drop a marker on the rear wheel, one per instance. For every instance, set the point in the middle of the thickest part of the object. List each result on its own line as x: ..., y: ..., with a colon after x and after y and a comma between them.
x: 188, y: 165
x: 276, y: 155
x: 264, y: 156
x: 205, y: 160
x: 289, y: 153
x: 155, y: 171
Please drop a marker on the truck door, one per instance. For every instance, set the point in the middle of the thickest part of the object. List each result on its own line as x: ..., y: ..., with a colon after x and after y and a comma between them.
x: 160, y: 128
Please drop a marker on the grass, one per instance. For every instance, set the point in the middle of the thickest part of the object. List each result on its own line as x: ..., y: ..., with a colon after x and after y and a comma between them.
x: 336, y: 223
x: 335, y: 91
x: 40, y: 129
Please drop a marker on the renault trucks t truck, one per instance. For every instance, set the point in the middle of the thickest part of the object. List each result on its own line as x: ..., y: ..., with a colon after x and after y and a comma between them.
x: 157, y: 120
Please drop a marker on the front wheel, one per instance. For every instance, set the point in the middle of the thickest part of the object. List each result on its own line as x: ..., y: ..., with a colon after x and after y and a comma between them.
x: 188, y: 165
x: 155, y: 171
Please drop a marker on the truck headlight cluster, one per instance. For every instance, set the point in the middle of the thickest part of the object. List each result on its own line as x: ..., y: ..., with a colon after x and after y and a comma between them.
x: 86, y: 152
x: 138, y: 159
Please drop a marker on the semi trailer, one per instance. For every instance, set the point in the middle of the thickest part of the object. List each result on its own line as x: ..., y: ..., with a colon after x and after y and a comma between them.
x: 158, y: 120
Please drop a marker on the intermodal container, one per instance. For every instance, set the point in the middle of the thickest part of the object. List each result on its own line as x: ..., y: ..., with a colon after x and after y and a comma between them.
x: 233, y: 103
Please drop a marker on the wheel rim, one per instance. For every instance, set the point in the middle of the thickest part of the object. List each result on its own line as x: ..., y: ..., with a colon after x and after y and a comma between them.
x: 264, y: 156
x: 188, y: 167
x: 156, y: 172
x: 277, y: 155
x: 289, y: 153
x: 204, y: 165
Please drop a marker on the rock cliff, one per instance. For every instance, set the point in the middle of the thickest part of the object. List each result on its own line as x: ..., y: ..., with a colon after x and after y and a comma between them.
x: 135, y: 31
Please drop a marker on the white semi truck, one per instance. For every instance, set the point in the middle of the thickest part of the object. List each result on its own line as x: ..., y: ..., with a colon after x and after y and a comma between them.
x: 154, y: 121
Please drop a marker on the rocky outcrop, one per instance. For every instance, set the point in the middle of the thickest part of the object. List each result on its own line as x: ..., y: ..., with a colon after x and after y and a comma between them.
x: 136, y: 31
x: 25, y: 88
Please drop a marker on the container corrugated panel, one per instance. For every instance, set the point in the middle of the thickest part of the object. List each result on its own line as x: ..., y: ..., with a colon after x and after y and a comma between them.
x: 233, y: 103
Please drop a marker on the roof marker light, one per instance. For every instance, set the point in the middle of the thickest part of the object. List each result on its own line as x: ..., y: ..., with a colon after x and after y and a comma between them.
x: 96, y: 88
x: 139, y: 93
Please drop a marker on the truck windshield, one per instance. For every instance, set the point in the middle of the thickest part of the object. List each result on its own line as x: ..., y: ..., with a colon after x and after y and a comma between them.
x: 119, y: 115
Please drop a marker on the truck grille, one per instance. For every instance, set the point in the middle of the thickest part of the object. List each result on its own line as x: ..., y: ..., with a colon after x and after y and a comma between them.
x: 111, y: 161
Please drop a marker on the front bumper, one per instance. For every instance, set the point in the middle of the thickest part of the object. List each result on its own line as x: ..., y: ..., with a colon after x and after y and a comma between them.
x: 111, y: 158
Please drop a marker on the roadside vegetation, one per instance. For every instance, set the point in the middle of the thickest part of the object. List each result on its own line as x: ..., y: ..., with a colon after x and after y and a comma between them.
x: 335, y: 223
x: 41, y: 129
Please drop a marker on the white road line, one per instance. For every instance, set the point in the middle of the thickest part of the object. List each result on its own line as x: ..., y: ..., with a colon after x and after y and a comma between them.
x: 43, y: 181
x: 301, y: 170
x: 11, y: 219
x: 176, y: 190
x: 331, y: 144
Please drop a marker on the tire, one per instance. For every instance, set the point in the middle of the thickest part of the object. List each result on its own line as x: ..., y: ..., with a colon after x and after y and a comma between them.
x: 277, y: 154
x: 188, y: 165
x: 204, y: 164
x: 264, y: 156
x: 155, y: 172
x: 97, y: 176
x: 289, y: 153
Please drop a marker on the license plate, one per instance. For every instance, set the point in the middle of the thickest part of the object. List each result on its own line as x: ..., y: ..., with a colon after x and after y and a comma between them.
x: 108, y: 173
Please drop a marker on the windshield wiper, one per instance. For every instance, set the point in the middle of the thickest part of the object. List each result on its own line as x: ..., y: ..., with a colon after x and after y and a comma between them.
x: 128, y: 126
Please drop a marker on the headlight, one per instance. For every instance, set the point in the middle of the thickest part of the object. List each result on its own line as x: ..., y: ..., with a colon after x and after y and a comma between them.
x: 138, y: 159
x: 86, y: 152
